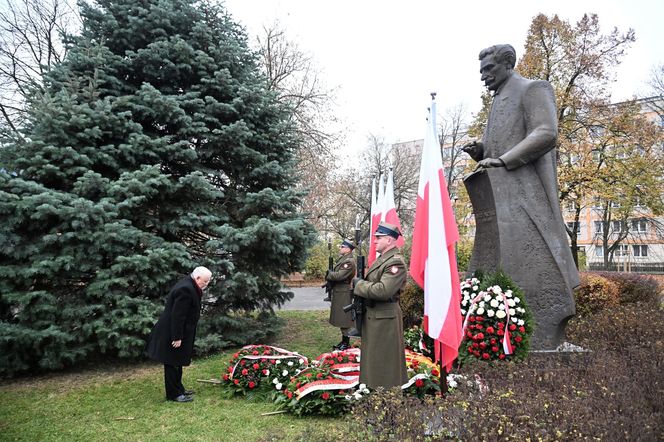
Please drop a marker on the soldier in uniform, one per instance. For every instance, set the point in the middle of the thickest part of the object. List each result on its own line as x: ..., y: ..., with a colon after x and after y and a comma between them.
x: 340, y: 278
x: 383, y: 363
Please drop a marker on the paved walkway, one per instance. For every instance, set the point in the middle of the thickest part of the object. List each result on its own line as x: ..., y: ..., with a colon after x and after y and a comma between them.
x: 307, y: 298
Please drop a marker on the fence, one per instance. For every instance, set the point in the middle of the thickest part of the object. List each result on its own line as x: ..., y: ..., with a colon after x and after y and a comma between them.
x: 648, y: 268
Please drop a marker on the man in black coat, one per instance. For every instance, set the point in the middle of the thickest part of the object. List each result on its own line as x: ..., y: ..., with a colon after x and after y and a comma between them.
x: 172, y: 339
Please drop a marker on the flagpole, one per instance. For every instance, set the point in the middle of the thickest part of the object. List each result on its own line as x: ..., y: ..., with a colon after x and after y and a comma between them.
x: 443, y: 370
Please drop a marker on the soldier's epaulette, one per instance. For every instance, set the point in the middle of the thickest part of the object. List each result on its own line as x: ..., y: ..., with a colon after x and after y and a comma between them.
x: 396, y: 256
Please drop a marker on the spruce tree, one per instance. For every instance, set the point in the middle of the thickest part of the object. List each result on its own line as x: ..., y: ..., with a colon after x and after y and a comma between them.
x: 155, y: 147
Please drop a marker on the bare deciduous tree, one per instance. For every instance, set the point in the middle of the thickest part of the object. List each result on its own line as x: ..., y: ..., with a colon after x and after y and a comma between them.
x: 656, y: 84
x: 293, y: 74
x: 354, y: 185
x: 31, y: 43
x: 453, y: 135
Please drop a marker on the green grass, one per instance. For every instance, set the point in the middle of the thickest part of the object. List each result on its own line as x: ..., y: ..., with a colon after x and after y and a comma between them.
x: 123, y: 403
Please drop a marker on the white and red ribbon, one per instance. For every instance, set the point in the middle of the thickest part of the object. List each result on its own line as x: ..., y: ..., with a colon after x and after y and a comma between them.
x: 507, y: 345
x: 284, y: 354
x: 325, y: 384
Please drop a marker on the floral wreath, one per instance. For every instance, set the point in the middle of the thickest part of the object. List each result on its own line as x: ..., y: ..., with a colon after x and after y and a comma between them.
x: 251, y: 365
x: 327, y: 387
x: 497, y: 323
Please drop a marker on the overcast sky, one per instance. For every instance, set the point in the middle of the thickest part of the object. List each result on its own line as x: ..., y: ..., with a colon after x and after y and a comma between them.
x: 385, y: 57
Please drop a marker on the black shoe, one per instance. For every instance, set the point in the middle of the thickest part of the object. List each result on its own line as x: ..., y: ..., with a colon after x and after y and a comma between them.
x: 189, y: 392
x: 343, y: 346
x: 182, y: 398
x: 327, y: 299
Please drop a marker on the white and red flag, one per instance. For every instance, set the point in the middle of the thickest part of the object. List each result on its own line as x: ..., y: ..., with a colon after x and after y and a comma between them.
x: 377, y: 205
x: 433, y: 262
x: 390, y: 210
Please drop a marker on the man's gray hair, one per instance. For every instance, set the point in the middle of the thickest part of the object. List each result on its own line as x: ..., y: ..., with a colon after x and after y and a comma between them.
x: 504, y: 54
x: 201, y: 271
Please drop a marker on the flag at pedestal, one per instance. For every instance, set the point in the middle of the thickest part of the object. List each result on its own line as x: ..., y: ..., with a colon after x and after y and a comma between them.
x: 433, y: 263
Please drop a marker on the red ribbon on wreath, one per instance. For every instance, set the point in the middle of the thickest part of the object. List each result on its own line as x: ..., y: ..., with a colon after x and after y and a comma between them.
x: 507, y: 344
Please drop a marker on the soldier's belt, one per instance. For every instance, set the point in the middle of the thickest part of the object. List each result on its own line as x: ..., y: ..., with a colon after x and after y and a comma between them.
x: 372, y: 302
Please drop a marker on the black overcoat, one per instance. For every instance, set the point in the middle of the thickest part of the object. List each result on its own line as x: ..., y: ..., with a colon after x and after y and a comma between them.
x: 177, y: 322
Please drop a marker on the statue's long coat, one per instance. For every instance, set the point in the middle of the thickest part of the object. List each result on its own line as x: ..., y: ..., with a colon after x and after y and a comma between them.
x: 529, y: 229
x: 341, y: 276
x: 383, y: 362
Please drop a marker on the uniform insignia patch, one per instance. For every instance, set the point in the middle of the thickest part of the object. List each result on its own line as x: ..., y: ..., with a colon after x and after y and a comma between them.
x: 394, y: 270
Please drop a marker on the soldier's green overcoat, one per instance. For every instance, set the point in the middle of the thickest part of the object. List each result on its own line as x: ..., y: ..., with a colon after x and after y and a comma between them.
x: 341, y: 276
x: 382, y: 362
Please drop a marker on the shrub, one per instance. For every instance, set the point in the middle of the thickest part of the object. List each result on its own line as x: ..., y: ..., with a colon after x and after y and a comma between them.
x: 633, y: 287
x: 391, y: 415
x: 595, y: 293
x: 412, y: 304
x: 614, y: 392
x: 416, y: 340
x: 318, y: 259
x: 464, y: 251
x: 619, y: 329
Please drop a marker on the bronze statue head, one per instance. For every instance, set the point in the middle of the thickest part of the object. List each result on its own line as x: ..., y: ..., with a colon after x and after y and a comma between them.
x: 496, y: 65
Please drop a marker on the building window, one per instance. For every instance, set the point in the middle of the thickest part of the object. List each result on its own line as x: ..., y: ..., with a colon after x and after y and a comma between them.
x: 639, y: 225
x: 619, y: 226
x: 599, y: 226
x: 599, y: 251
x: 621, y: 250
x: 640, y: 250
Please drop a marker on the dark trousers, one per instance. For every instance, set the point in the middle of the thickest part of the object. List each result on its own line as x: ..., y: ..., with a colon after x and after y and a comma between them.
x: 173, y: 381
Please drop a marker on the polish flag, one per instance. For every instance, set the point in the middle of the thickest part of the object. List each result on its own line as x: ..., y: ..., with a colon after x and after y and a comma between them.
x: 433, y: 262
x: 390, y: 210
x: 377, y: 211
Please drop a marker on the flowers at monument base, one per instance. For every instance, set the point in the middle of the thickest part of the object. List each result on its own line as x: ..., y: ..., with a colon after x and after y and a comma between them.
x: 285, y: 370
x: 416, y: 340
x: 343, y: 364
x: 317, y: 390
x: 249, y: 368
x: 423, y: 375
x: 496, y: 321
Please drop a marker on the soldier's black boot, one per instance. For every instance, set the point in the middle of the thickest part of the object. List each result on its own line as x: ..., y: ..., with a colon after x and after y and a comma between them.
x: 344, y: 344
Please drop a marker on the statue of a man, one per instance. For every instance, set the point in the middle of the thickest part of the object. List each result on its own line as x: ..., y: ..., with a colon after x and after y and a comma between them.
x: 514, y: 193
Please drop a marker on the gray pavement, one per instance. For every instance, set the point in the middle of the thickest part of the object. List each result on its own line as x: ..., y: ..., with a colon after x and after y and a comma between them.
x: 307, y: 298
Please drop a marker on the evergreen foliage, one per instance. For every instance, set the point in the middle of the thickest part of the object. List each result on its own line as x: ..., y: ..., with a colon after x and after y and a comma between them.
x: 155, y: 147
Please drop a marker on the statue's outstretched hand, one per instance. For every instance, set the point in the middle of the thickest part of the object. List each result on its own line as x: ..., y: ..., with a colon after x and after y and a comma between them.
x: 472, y: 147
x: 488, y: 163
x: 475, y: 149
